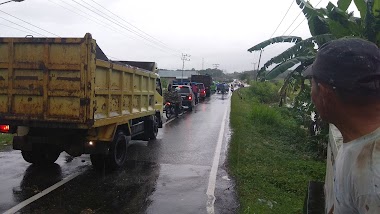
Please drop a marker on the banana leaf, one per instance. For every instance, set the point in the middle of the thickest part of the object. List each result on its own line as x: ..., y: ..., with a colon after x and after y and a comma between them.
x: 362, y: 7
x: 279, y: 39
x: 316, y: 21
x: 288, y: 64
x: 292, y: 76
x: 344, y: 4
x: 302, y: 48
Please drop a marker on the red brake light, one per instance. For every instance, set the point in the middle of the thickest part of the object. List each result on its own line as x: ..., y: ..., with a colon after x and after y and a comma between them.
x: 190, y: 97
x: 4, y: 128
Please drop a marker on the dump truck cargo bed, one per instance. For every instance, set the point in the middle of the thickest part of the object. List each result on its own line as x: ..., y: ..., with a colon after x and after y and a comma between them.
x: 59, y: 82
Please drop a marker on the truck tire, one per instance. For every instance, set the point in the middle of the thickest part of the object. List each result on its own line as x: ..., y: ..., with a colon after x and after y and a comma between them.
x: 40, y: 158
x: 153, y: 127
x: 117, y: 156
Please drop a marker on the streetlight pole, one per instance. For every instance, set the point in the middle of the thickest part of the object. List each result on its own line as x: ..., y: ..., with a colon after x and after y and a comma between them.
x: 11, y: 1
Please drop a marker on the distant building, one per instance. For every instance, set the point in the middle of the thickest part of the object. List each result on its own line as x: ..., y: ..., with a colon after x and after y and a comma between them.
x: 170, y: 75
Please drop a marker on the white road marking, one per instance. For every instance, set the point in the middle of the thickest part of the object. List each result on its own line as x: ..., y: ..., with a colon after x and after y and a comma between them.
x: 169, y: 121
x: 41, y: 194
x: 214, y: 169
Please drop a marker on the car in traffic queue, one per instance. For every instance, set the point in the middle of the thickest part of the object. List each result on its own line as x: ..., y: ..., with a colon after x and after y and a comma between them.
x: 202, y: 91
x: 187, y: 95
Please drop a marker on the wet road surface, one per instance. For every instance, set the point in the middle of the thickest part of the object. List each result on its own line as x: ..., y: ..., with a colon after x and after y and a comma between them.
x: 167, y: 175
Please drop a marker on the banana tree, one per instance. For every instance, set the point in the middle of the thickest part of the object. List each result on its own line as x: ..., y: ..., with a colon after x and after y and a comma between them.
x: 325, y: 24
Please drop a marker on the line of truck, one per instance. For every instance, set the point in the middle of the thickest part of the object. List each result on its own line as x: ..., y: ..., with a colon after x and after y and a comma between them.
x: 63, y: 94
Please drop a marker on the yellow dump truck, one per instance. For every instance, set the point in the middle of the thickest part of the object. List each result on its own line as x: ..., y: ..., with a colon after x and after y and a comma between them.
x: 63, y: 94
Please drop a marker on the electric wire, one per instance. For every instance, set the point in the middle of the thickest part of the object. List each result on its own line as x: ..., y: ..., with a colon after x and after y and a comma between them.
x: 292, y: 23
x: 281, y: 19
x: 23, y: 27
x: 304, y: 19
x: 99, y: 22
x: 96, y: 21
x: 15, y: 28
x: 138, y: 29
x: 29, y: 23
x: 112, y: 21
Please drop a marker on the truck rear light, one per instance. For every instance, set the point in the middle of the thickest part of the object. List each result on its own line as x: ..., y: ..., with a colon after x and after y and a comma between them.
x: 190, y: 97
x: 4, y: 128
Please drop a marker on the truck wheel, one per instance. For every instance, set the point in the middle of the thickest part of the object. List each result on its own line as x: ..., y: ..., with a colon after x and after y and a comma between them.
x: 118, y: 151
x: 45, y: 157
x: 153, y: 127
x: 116, y: 157
x: 28, y: 156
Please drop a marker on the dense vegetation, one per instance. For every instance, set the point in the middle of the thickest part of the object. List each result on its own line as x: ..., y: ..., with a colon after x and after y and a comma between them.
x: 271, y: 155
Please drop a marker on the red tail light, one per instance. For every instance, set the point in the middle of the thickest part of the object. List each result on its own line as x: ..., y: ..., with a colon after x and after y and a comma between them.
x: 4, y: 128
x: 190, y: 97
x: 167, y: 103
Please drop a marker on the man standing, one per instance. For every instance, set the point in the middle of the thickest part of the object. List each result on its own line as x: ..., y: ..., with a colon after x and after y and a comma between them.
x: 346, y: 92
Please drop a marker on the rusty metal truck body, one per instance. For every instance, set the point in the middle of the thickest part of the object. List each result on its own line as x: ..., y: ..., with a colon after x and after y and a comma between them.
x: 63, y: 94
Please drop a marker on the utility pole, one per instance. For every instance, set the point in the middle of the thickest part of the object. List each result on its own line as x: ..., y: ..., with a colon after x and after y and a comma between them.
x: 258, y: 65
x: 215, y: 66
x: 184, y: 58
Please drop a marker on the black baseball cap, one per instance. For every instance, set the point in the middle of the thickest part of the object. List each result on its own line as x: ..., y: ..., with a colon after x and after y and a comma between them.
x: 348, y: 64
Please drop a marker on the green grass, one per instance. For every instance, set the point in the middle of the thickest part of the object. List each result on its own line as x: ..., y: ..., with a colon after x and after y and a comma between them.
x: 5, y: 140
x: 269, y: 158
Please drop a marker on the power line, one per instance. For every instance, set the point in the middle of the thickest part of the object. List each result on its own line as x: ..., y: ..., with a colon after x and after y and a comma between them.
x: 100, y: 22
x: 29, y: 23
x: 282, y: 19
x: 23, y: 27
x: 97, y: 21
x: 116, y: 23
x: 292, y: 23
x: 304, y: 19
x: 131, y: 24
x: 15, y: 28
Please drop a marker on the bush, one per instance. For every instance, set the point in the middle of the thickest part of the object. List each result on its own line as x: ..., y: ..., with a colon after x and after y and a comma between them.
x: 266, y: 92
x: 266, y: 115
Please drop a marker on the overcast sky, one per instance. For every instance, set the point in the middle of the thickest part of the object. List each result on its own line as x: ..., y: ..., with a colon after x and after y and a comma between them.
x: 211, y: 31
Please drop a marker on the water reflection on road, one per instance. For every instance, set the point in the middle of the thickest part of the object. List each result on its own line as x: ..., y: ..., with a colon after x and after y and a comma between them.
x: 167, y: 175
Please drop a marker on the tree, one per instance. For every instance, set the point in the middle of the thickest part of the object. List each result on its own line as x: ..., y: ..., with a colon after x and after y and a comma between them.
x: 325, y: 24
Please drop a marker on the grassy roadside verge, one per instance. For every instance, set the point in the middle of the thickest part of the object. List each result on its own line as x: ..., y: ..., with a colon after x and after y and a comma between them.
x: 268, y: 157
x: 5, y: 140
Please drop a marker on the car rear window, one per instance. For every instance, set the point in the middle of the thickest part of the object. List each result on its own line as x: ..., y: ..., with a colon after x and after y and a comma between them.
x: 182, y: 89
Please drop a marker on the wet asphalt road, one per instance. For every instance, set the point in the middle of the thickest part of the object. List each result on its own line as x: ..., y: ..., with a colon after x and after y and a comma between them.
x: 167, y: 175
